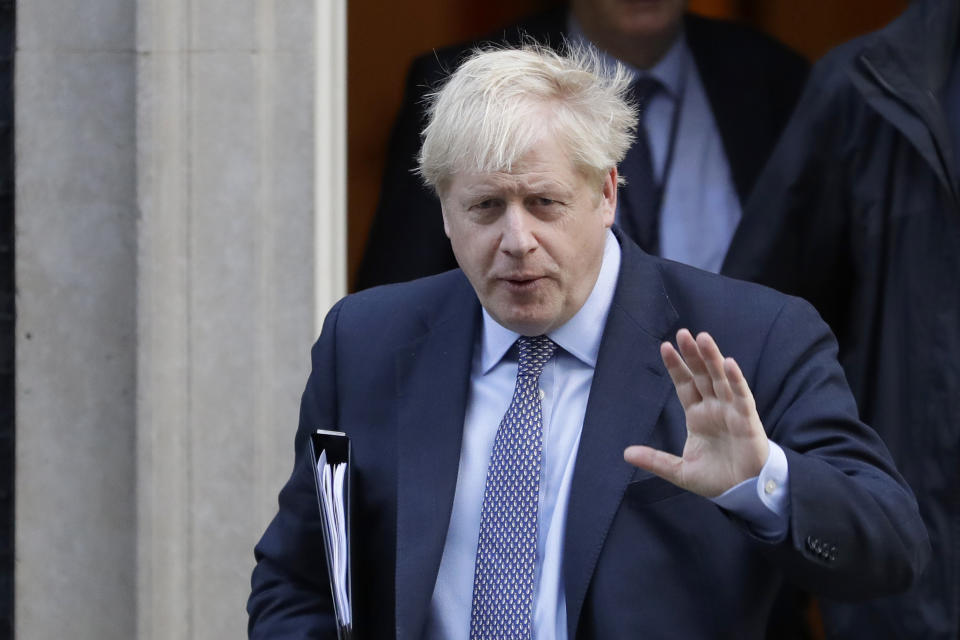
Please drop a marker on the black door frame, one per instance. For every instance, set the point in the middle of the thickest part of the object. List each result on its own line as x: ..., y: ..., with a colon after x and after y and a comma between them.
x: 7, y: 314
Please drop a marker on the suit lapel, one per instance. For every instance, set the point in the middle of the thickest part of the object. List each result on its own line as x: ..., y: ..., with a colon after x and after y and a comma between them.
x: 630, y: 387
x: 433, y: 376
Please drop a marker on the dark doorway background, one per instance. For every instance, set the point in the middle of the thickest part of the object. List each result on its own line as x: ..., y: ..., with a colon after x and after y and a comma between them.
x: 7, y: 317
x: 384, y: 37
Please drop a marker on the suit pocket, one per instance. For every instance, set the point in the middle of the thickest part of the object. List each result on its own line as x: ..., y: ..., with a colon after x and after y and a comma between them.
x: 650, y: 490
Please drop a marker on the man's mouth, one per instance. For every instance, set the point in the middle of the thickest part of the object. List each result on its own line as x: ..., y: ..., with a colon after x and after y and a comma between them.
x: 521, y: 282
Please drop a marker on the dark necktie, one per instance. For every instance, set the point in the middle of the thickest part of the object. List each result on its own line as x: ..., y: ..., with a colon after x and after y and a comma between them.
x: 640, y: 198
x: 507, y: 548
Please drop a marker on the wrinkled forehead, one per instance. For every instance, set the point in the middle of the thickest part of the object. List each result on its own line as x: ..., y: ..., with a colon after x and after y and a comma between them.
x: 520, y: 182
x: 535, y: 147
x: 515, y: 181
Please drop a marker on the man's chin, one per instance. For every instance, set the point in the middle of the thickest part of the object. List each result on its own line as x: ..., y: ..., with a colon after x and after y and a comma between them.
x: 525, y: 321
x: 645, y: 18
x: 643, y: 24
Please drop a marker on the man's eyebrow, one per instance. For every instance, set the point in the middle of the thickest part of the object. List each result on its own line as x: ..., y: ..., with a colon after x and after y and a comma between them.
x: 546, y: 184
x: 479, y: 188
x: 474, y: 193
x: 496, y: 188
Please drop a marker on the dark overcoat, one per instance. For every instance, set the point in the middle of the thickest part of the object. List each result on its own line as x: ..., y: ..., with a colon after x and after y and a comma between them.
x: 858, y: 212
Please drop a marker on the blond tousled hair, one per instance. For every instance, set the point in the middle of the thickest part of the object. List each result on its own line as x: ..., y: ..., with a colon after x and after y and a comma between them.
x: 501, y: 101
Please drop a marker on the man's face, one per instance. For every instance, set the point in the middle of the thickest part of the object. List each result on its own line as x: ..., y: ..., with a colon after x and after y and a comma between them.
x: 634, y: 18
x: 530, y: 241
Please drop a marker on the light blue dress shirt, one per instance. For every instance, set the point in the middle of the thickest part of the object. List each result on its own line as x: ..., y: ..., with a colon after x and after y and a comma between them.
x: 565, y: 385
x: 700, y: 209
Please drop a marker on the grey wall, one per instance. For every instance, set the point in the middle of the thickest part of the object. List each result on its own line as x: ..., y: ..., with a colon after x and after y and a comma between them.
x: 166, y: 305
x: 76, y: 320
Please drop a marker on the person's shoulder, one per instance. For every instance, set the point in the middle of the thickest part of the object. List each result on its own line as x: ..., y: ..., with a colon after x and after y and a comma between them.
x: 830, y: 97
x: 749, y: 45
x: 833, y: 69
x: 401, y: 306
x: 697, y: 293
x: 751, y: 323
x: 730, y: 32
x: 545, y: 27
x: 410, y: 293
x: 381, y: 319
x: 734, y: 59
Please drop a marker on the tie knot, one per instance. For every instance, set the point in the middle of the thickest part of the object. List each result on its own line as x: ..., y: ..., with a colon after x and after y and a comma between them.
x: 534, y: 353
x: 641, y: 90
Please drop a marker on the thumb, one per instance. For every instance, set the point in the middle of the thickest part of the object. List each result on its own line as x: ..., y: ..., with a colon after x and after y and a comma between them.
x: 661, y: 463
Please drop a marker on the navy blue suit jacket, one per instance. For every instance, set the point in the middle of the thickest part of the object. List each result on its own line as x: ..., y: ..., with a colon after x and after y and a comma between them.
x: 642, y: 558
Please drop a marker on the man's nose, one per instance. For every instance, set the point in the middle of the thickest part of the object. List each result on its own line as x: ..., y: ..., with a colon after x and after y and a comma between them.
x: 518, y: 238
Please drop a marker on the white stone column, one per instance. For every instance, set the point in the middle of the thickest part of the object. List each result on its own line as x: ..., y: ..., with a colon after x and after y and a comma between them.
x: 76, y: 321
x: 227, y: 294
x: 180, y: 232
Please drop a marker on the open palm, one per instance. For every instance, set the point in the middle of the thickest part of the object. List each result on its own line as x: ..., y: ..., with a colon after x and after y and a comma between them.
x: 726, y: 443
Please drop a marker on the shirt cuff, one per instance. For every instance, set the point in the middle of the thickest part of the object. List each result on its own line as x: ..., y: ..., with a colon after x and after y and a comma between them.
x: 763, y: 502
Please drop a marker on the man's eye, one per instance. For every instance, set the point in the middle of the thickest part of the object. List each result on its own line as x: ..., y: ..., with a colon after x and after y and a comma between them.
x: 544, y: 202
x: 484, y: 204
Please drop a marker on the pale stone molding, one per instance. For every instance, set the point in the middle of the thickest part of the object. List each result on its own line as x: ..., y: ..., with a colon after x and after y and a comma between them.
x: 76, y: 321
x: 226, y: 291
x: 331, y: 154
x: 180, y: 231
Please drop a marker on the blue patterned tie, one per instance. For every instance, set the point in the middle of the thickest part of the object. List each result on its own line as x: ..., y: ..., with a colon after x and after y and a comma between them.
x: 507, y: 548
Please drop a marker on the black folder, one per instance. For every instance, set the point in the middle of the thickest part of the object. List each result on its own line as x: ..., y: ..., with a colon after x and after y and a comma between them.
x: 333, y: 500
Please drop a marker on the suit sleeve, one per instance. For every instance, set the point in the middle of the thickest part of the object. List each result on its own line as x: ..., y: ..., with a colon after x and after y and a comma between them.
x: 795, y: 225
x: 290, y: 595
x: 406, y: 238
x: 855, y: 529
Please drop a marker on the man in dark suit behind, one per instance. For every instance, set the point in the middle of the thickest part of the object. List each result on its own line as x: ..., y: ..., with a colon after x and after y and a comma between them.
x: 724, y: 93
x: 533, y: 457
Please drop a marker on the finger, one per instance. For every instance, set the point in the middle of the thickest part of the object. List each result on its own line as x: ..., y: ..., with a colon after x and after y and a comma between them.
x: 738, y: 385
x: 682, y: 378
x: 694, y: 361
x: 713, y: 360
x: 666, y: 465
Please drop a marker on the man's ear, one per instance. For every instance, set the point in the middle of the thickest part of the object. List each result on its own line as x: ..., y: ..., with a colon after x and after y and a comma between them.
x: 443, y: 212
x: 608, y: 197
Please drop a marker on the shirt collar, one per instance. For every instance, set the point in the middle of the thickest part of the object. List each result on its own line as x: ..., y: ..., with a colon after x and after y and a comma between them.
x: 669, y: 70
x: 580, y: 335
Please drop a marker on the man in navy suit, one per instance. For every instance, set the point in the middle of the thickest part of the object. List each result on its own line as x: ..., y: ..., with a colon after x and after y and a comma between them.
x: 532, y: 456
